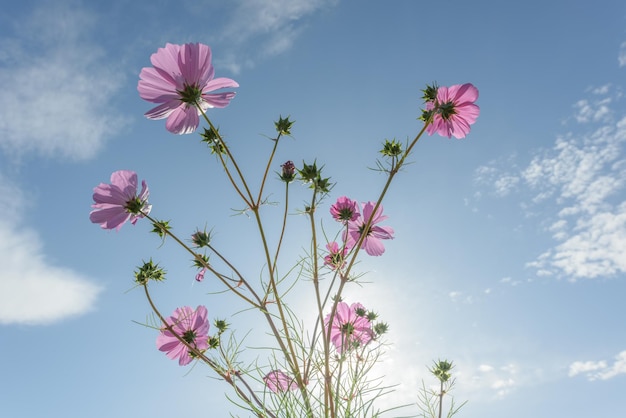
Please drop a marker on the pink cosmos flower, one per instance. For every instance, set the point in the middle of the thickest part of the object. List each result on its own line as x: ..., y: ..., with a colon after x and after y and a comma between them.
x: 372, y: 243
x: 277, y: 381
x: 119, y: 202
x: 345, y: 210
x: 336, y: 256
x: 182, y: 77
x: 454, y: 110
x: 192, y: 326
x: 350, y: 327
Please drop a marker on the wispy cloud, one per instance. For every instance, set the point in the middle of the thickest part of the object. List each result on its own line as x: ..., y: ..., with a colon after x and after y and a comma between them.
x: 273, y: 26
x: 32, y: 290
x: 57, y: 87
x: 601, y: 369
x: 582, y: 177
x: 489, y: 381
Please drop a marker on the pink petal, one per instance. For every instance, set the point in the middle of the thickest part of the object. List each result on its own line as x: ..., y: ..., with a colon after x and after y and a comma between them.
x: 165, y: 61
x: 164, y: 110
x: 464, y: 93
x: 194, y: 61
x: 183, y: 120
x: 218, y: 100
x: 373, y: 246
x: 219, y: 83
x: 112, y: 218
x: 154, y: 88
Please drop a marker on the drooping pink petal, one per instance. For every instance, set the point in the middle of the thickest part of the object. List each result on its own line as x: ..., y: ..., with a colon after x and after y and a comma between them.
x: 163, y: 110
x: 218, y: 100
x: 183, y: 120
x: 219, y: 83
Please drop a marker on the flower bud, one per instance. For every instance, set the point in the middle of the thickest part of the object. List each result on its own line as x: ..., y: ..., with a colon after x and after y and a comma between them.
x: 288, y: 172
x: 201, y: 238
x: 283, y: 126
x: 391, y: 148
x: 430, y: 93
x: 149, y: 271
x: 442, y: 369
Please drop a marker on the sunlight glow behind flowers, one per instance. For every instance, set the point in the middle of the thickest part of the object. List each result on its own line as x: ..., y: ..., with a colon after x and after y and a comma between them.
x: 180, y: 81
x: 119, y: 202
x: 350, y: 327
x: 454, y: 110
x: 192, y: 326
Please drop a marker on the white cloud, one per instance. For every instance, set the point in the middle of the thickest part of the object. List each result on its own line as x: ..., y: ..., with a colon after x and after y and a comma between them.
x: 57, y: 87
x: 502, y: 182
x: 32, y: 290
x: 505, y: 184
x: 485, y: 368
x: 274, y: 25
x: 488, y: 381
x: 599, y: 370
x: 582, y: 178
x: 592, y: 112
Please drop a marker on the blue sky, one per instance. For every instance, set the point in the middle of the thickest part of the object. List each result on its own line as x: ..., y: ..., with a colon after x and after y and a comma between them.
x: 510, y: 248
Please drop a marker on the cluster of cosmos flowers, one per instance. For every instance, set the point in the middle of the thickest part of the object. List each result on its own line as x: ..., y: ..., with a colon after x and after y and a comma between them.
x: 182, y: 83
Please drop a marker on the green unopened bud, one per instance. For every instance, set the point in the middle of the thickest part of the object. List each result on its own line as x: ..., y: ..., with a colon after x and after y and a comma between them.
x: 442, y: 370
x: 221, y: 325
x: 201, y: 238
x: 213, y: 342
x: 391, y: 148
x: 309, y: 173
x: 426, y: 115
x: 213, y: 140
x: 160, y: 228
x: 283, y: 126
x: 430, y: 93
x: 149, y: 271
x: 201, y: 263
x: 381, y: 328
x: 371, y: 316
x: 322, y: 185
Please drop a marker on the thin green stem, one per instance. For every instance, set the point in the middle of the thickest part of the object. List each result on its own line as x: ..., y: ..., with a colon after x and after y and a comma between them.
x: 440, y: 398
x: 249, y: 200
x: 283, y: 227
x: 206, y: 265
x: 267, y: 169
